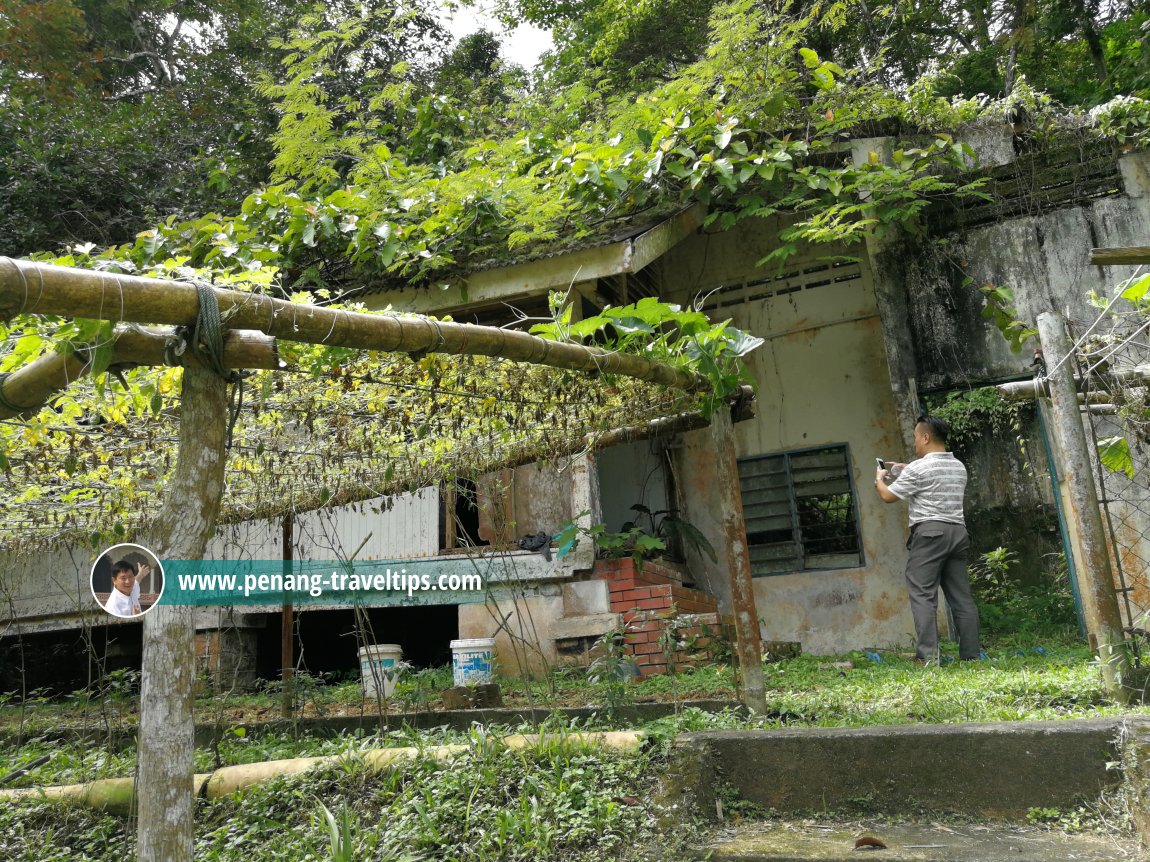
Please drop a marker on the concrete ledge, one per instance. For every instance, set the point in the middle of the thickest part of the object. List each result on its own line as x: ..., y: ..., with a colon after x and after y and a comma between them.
x: 461, y: 719
x: 997, y: 771
x: 586, y: 626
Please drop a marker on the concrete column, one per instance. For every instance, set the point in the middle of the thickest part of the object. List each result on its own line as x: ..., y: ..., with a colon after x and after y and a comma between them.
x: 712, y: 501
x: 1084, y: 524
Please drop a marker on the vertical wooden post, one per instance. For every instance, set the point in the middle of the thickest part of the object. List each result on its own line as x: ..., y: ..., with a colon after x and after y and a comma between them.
x: 182, y: 531
x: 737, y: 554
x: 1092, y: 563
x: 287, y: 627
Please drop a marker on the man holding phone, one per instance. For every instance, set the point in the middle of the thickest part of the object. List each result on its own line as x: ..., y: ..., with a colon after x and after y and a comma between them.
x: 933, y: 486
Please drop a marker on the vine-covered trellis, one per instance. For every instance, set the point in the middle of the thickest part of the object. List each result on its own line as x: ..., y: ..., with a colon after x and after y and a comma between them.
x: 317, y: 424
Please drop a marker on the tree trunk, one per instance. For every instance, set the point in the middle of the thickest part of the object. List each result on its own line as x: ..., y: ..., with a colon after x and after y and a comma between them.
x: 181, y: 532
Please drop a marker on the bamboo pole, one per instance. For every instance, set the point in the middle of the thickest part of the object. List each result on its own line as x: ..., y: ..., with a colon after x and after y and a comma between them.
x: 1095, y: 577
x: 1120, y: 256
x: 30, y: 387
x: 115, y: 795
x: 33, y: 288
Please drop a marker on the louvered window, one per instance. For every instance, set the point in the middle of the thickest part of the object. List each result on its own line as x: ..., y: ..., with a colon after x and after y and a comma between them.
x: 799, y: 509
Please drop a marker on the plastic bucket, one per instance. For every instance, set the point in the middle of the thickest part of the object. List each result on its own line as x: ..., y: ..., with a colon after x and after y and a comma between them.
x: 379, y: 668
x: 473, y: 660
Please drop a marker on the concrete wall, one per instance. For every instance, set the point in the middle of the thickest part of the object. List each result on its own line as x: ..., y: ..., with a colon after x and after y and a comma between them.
x: 630, y: 474
x: 822, y: 379
x: 937, y: 340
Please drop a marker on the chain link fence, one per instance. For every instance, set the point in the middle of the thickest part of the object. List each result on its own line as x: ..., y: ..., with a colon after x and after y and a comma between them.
x: 1113, y: 360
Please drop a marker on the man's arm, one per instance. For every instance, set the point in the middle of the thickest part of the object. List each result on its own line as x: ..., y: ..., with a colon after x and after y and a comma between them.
x: 144, y: 570
x: 883, y: 488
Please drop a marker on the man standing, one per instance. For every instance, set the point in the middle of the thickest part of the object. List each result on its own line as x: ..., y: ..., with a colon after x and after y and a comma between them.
x: 120, y: 599
x: 933, y: 486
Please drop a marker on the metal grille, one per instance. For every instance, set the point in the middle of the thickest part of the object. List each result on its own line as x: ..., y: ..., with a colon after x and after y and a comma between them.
x: 800, y: 276
x: 1033, y: 184
x: 799, y: 510
x: 1116, y: 398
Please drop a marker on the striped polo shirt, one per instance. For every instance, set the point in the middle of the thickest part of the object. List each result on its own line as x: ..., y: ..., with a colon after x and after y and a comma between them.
x: 933, y: 487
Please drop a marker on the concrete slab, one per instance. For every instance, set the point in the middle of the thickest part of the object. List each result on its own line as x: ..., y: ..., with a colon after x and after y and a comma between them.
x: 996, y: 771
x: 915, y: 843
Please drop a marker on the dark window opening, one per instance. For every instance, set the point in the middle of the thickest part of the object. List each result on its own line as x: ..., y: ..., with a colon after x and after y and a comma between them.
x: 799, y: 510
x: 459, y: 516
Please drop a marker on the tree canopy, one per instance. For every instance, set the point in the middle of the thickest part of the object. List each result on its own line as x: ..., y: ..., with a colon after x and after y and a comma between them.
x: 348, y: 149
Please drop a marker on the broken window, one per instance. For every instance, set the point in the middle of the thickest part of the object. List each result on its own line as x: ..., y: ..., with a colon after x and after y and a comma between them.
x: 799, y: 510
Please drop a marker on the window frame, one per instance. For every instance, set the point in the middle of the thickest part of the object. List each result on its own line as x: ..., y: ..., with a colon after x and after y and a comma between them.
x: 792, y: 499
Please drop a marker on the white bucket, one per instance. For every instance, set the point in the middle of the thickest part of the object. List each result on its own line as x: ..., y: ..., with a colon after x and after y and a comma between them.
x: 473, y: 660
x: 379, y: 669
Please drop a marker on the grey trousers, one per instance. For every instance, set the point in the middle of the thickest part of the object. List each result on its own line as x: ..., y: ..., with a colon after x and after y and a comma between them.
x: 938, y: 557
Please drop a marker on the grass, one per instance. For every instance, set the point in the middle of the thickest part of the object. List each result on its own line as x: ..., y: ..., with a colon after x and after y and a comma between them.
x: 558, y: 800
x: 555, y: 802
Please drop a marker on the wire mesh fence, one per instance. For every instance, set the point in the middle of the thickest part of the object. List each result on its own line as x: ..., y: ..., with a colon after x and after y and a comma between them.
x: 1113, y: 363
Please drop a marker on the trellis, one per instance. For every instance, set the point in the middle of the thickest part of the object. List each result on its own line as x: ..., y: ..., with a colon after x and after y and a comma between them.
x: 535, y: 397
x: 393, y: 422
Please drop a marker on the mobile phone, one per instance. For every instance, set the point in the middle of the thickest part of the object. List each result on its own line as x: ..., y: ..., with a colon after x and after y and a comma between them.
x: 880, y: 463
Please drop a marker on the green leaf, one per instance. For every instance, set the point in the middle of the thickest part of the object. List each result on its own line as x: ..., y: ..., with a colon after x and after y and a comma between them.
x: 1135, y: 289
x: 810, y: 58
x: 1114, y: 452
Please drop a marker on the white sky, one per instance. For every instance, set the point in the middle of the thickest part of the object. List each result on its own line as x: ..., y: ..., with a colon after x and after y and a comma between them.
x: 523, y: 45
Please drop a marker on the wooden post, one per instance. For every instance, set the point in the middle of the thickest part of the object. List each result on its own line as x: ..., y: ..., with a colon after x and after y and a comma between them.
x: 182, y: 530
x: 737, y: 553
x: 1087, y: 536
x: 287, y: 627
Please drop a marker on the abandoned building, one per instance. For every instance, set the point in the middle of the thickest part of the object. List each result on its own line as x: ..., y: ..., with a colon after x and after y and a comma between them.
x: 855, y: 339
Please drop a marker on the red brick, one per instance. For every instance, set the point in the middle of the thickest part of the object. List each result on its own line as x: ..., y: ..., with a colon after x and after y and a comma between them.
x: 645, y: 626
x: 648, y: 649
x: 656, y: 604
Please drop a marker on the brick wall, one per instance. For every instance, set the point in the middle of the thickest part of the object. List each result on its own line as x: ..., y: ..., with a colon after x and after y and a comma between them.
x: 653, y: 603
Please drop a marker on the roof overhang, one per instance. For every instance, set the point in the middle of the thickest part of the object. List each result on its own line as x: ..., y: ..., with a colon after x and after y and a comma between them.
x: 533, y: 278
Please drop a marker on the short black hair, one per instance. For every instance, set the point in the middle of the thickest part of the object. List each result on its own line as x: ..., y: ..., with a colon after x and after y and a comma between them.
x: 939, y: 429
x: 123, y: 566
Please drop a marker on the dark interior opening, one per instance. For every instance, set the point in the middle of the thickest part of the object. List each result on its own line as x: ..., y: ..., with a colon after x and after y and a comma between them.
x: 58, y: 663
x: 467, y: 515
x: 327, y: 641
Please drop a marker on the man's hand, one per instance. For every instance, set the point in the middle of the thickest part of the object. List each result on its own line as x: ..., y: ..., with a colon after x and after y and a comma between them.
x: 880, y: 484
x: 145, y: 570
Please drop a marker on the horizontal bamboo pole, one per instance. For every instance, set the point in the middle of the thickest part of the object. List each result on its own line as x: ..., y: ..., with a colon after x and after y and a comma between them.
x: 27, y: 287
x: 1120, y: 256
x: 1028, y: 390
x: 28, y: 388
x: 117, y: 796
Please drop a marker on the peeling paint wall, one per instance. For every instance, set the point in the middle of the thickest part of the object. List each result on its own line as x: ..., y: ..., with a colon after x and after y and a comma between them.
x: 822, y: 379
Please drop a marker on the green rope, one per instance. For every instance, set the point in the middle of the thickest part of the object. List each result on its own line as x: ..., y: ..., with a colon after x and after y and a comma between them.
x: 207, y: 343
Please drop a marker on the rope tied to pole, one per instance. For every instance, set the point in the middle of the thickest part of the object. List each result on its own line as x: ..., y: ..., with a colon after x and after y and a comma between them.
x: 206, y: 342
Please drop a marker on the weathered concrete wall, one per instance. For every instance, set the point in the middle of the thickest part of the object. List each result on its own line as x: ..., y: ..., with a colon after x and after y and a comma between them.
x: 1010, y: 499
x: 521, y: 625
x: 822, y: 379
x: 938, y: 340
x: 630, y: 474
x: 1045, y: 259
x: 998, y: 771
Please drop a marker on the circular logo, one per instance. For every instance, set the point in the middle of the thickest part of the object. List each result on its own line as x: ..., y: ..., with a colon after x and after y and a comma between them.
x: 127, y: 580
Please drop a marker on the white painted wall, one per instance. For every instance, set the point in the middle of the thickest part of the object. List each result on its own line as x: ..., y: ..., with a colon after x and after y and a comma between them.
x: 822, y: 379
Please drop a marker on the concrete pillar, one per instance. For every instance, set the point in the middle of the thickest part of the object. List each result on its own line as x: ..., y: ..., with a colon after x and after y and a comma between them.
x: 1084, y: 524
x: 712, y: 501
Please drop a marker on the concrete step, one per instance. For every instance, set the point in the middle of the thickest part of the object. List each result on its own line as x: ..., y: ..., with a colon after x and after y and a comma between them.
x: 993, y: 771
x: 932, y: 842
